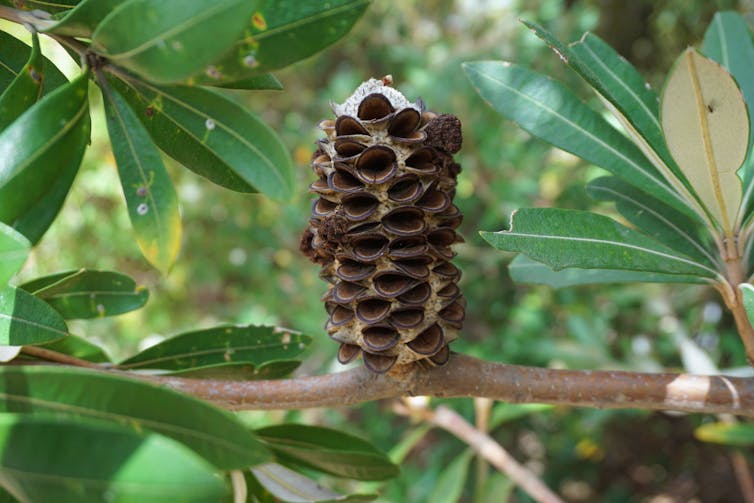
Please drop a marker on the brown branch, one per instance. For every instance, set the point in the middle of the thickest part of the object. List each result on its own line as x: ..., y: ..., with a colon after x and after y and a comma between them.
x: 465, y: 376
x: 743, y: 476
x: 486, y: 447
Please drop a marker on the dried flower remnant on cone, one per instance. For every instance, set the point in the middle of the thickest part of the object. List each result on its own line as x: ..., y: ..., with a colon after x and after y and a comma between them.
x: 382, y: 228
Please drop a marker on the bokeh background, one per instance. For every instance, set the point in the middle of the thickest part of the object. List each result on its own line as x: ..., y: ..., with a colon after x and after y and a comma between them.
x: 240, y: 261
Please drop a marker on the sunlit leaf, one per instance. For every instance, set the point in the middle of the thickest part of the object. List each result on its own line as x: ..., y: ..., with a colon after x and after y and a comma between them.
x: 572, y: 238
x: 150, y: 196
x: 40, y: 145
x: 548, y: 110
x: 247, y: 344
x: 88, y: 293
x: 213, y: 136
x: 279, y: 34
x: 14, y: 248
x: 170, y: 40
x: 328, y: 450
x: 75, y: 393
x: 738, y: 434
x: 72, y: 461
x: 25, y: 320
x: 706, y: 126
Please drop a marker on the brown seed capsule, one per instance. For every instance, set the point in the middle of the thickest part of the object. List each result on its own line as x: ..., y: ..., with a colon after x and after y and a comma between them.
x: 382, y: 228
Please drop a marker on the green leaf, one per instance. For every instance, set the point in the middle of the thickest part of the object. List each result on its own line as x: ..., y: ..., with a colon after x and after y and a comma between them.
x: 240, y: 371
x: 449, y: 485
x: 25, y: 89
x: 526, y: 271
x: 149, y: 192
x: 738, y: 434
x: 281, y: 33
x: 170, y: 40
x: 571, y: 238
x: 287, y: 485
x: 219, y: 345
x: 14, y: 248
x: 75, y: 393
x: 26, y: 320
x: 88, y: 293
x: 213, y: 136
x: 504, y: 412
x: 78, y: 347
x: 45, y: 5
x: 14, y: 54
x: 40, y: 145
x: 728, y: 41
x: 654, y: 218
x: 265, y: 81
x: 327, y: 450
x: 497, y: 488
x: 706, y: 126
x: 747, y: 292
x: 551, y: 112
x: 6, y: 497
x: 625, y: 93
x: 84, y: 18
x: 35, y: 221
x: 60, y: 460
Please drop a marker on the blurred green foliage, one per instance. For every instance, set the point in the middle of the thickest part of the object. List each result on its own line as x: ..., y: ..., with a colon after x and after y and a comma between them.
x: 240, y: 262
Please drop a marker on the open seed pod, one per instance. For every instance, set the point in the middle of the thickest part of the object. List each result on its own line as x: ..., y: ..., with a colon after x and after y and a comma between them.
x: 383, y: 225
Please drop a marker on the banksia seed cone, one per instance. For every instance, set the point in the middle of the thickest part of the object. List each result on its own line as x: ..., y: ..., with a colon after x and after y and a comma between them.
x: 382, y: 228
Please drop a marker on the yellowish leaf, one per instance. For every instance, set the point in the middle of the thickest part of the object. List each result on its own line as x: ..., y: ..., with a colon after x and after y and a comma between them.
x: 706, y: 126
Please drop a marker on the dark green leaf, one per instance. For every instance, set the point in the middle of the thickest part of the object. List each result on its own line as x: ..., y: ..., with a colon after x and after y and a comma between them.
x: 504, y: 412
x: 14, y: 248
x: 84, y: 18
x: 150, y: 196
x: 88, y: 293
x: 449, y: 485
x: 240, y: 371
x: 40, y: 145
x: 530, y: 272
x: 6, y: 497
x: 728, y: 41
x: 35, y: 221
x: 25, y: 89
x: 213, y: 136
x: 329, y: 451
x: 14, y: 55
x: 78, y: 347
x: 738, y: 434
x: 46, y: 459
x: 571, y: 238
x: 621, y: 86
x: 26, y: 320
x: 170, y: 40
x: 68, y: 392
x: 244, y: 344
x: 654, y: 218
x: 281, y: 33
x: 548, y: 110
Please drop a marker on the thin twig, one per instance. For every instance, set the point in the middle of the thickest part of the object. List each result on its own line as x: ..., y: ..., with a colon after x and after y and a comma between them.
x: 486, y: 447
x: 27, y: 18
x: 743, y: 476
x: 54, y: 356
x: 465, y: 376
